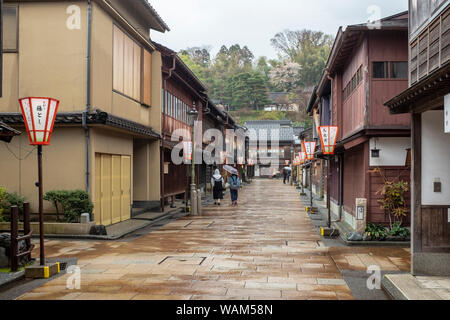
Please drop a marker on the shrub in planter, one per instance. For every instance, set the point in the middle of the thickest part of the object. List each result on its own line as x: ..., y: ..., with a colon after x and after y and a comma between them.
x: 2, y: 198
x: 397, y: 231
x: 8, y: 200
x: 72, y: 203
x: 376, y: 232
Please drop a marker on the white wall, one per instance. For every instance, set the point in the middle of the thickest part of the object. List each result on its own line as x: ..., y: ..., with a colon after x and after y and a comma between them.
x: 392, y: 151
x: 435, y: 159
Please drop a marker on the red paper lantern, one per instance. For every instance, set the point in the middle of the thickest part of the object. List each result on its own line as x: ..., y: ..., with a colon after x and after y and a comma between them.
x: 302, y: 156
x: 310, y: 150
x: 187, y: 151
x: 39, y: 115
x: 328, y: 137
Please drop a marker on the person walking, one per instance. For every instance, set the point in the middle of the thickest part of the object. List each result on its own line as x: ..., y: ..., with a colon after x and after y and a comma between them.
x: 218, y: 184
x: 285, y: 175
x: 235, y: 185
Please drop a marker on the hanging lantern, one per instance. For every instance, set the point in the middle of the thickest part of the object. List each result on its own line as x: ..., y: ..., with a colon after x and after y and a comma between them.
x: 39, y: 116
x: 310, y: 150
x: 302, y: 156
x: 328, y: 137
x: 187, y: 151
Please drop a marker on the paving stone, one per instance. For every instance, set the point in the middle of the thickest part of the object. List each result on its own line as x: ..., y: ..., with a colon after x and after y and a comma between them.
x: 332, y: 282
x: 259, y: 250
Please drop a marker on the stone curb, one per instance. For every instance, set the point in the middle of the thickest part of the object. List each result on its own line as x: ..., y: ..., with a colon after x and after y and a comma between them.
x: 111, y: 237
x: 344, y: 231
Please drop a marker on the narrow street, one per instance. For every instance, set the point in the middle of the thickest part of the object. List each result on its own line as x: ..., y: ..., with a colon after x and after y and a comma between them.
x: 267, y: 248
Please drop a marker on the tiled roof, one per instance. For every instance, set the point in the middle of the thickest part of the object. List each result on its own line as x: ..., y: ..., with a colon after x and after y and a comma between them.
x: 7, y: 133
x: 98, y: 117
x: 259, y: 129
x: 155, y: 14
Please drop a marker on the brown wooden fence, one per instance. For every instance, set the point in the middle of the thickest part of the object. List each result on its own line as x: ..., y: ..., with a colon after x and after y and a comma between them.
x: 15, y: 255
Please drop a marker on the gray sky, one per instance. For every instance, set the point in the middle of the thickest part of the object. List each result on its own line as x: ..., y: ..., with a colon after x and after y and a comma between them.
x: 254, y: 22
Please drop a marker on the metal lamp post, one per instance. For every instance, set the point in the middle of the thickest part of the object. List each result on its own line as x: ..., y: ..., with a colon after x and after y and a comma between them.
x: 39, y: 116
x: 328, y: 137
x: 193, y: 116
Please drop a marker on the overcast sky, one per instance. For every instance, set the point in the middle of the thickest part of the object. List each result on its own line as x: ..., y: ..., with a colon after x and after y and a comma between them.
x: 254, y: 22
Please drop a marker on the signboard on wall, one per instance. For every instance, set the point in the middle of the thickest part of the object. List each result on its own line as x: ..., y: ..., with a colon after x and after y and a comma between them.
x: 447, y: 113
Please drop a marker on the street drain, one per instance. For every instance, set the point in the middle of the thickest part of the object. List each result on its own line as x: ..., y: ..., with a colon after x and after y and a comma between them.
x: 184, y: 260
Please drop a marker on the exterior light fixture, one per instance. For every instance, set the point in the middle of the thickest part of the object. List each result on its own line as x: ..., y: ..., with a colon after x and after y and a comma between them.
x: 193, y: 116
x: 310, y: 150
x: 375, y: 152
x: 328, y: 137
x: 39, y: 116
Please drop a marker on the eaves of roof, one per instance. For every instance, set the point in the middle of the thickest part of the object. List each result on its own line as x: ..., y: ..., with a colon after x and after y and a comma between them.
x: 95, y: 118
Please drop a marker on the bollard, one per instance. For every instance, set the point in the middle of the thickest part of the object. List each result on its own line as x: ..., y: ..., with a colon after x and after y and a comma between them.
x: 194, y: 202
x: 27, y: 226
x: 199, y: 202
x: 14, y: 235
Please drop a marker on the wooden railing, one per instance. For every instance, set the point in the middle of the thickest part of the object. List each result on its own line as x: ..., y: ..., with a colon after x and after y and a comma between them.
x: 15, y: 255
x: 431, y: 49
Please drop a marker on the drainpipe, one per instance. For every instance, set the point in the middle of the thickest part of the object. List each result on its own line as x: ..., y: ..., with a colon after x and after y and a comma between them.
x: 88, y: 98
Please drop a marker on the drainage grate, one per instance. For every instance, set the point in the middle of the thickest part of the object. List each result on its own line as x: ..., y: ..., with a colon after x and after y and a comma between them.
x: 183, y: 260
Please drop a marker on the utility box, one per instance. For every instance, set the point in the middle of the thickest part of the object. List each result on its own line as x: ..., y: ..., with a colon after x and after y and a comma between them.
x: 85, y: 218
x: 361, y: 215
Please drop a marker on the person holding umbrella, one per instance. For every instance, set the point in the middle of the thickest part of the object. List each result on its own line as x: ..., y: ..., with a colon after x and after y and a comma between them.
x: 234, y: 184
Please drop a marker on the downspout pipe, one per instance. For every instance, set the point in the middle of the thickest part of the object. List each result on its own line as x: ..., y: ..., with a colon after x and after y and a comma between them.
x: 88, y: 97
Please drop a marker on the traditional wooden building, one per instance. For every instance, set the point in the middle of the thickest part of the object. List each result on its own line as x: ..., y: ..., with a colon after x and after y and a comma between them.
x: 367, y: 66
x: 428, y: 101
x: 106, y: 73
x: 182, y: 91
x: 272, y: 144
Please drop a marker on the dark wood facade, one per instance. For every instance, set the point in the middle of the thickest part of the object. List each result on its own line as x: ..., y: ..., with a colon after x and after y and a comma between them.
x: 182, y: 91
x: 366, y: 68
x: 424, y: 99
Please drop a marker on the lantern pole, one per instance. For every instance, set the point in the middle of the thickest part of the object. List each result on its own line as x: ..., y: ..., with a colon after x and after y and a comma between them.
x: 41, y: 208
x: 328, y: 191
x: 310, y: 184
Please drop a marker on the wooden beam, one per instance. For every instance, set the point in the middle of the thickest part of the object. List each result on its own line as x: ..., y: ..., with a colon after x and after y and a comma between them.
x: 416, y: 183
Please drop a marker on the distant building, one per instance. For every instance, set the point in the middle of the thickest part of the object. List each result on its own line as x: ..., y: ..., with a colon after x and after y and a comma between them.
x: 279, y: 101
x: 272, y: 156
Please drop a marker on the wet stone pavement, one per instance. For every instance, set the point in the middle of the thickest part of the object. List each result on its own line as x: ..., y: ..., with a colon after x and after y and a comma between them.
x: 267, y: 248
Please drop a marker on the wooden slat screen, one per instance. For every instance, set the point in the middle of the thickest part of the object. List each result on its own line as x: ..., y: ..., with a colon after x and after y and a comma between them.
x: 126, y: 65
x: 146, y: 78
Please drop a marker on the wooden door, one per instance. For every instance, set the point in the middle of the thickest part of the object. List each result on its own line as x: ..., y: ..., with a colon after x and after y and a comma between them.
x: 116, y: 192
x: 125, y: 188
x: 105, y: 186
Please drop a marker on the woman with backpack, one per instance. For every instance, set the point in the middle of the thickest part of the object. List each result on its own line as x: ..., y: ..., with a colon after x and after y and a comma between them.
x: 235, y: 184
x: 217, y: 183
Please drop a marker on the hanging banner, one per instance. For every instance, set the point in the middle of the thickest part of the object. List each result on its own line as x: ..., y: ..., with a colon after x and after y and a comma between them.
x: 328, y: 137
x: 310, y: 150
x: 187, y: 151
